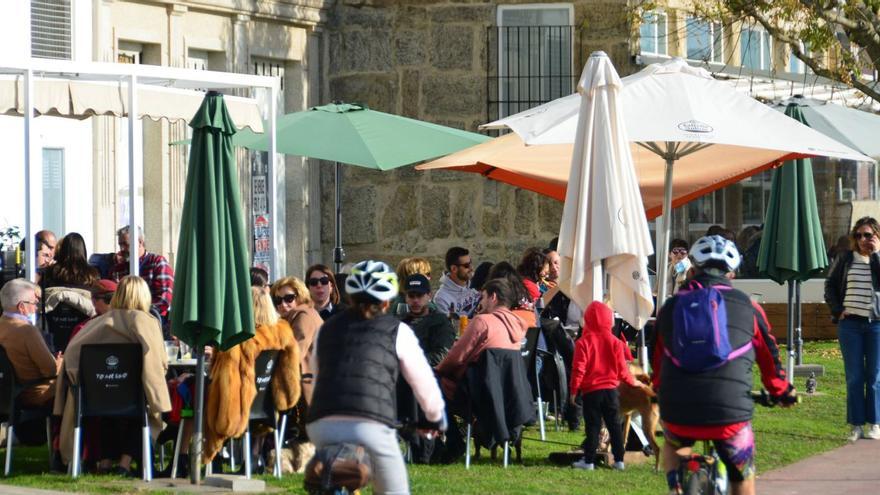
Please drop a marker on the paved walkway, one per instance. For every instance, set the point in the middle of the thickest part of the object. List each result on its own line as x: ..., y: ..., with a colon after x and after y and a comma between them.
x: 851, y: 469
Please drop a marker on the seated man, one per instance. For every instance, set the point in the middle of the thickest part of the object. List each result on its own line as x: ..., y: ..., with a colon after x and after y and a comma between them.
x: 433, y: 329
x: 494, y: 327
x: 24, y: 345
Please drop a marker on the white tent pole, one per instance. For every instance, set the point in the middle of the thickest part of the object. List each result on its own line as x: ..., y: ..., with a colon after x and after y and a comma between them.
x: 598, y: 281
x: 30, y: 179
x: 133, y: 237
x: 275, y: 269
x: 665, y: 230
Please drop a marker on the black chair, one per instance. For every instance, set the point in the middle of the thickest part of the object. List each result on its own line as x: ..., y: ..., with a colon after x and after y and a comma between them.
x: 497, y: 395
x: 111, y: 385
x: 14, y: 413
x: 263, y: 410
x: 60, y: 322
x: 530, y: 357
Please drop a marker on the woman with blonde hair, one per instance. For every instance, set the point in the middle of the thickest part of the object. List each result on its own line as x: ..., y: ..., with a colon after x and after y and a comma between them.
x: 294, y: 303
x: 128, y: 321
x: 233, y: 386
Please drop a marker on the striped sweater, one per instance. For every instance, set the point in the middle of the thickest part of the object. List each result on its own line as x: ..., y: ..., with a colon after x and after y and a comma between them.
x: 859, y: 289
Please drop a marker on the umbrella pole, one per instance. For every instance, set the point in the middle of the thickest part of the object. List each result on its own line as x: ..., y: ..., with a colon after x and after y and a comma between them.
x: 798, y: 334
x: 338, y: 253
x: 789, y: 345
x: 195, y: 446
x: 664, y: 233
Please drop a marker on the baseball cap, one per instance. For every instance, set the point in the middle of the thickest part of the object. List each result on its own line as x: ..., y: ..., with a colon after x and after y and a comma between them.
x: 417, y: 283
x: 104, y: 286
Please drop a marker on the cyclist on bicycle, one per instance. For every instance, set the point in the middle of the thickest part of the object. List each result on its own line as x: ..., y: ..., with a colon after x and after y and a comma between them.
x: 715, y: 403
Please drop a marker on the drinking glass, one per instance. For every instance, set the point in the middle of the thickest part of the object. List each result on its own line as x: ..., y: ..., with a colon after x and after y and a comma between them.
x: 402, y: 309
x: 172, y: 348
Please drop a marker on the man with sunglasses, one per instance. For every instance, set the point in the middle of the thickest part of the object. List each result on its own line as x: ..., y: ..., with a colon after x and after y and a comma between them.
x: 455, y: 297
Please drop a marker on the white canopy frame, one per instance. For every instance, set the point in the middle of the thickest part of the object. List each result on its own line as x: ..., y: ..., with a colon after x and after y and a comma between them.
x: 133, y: 76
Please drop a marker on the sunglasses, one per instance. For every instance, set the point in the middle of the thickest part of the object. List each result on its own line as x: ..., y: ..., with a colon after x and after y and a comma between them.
x: 679, y: 251
x: 863, y: 235
x: 464, y: 265
x: 313, y: 282
x: 289, y: 299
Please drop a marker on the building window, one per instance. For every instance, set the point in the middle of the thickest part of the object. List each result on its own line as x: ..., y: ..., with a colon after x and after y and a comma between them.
x: 269, y: 67
x: 53, y: 189
x: 704, y: 212
x: 130, y: 53
x: 532, y: 56
x: 652, y: 33
x: 50, y: 29
x: 796, y: 65
x: 705, y: 40
x: 755, y: 48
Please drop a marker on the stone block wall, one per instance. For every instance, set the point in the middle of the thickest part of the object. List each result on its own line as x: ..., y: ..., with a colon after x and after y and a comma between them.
x: 428, y: 60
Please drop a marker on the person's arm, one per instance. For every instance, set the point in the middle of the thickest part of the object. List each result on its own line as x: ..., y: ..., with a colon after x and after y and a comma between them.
x: 417, y: 373
x: 767, y: 356
x: 440, y: 339
x: 162, y: 285
x: 454, y: 364
x: 578, y: 367
x: 441, y: 303
x: 623, y: 373
x: 40, y: 355
x: 832, y: 287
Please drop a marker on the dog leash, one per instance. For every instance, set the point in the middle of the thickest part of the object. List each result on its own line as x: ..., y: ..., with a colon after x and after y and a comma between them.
x: 551, y: 441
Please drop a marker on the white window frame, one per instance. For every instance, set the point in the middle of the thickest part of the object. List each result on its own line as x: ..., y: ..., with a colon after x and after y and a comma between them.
x: 57, y: 199
x: 499, y: 23
x: 714, y: 58
x: 763, y: 57
x: 658, y: 13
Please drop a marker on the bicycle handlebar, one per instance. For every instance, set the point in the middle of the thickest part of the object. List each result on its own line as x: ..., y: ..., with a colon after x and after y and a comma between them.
x: 761, y: 397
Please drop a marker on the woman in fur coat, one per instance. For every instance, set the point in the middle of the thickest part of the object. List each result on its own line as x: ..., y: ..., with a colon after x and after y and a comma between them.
x: 233, y: 387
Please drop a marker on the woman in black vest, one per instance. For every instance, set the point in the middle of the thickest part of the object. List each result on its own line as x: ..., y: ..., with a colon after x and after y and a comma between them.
x: 357, y: 357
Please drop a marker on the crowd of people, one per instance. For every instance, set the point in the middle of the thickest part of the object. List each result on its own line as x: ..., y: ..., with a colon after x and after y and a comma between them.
x: 347, y: 342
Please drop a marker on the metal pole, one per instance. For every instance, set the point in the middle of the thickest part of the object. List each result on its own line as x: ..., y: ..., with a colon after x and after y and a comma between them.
x: 274, y: 262
x: 798, y: 334
x: 598, y: 281
x: 663, y: 234
x: 789, y: 345
x: 133, y: 237
x: 195, y: 446
x: 31, y: 178
x: 338, y: 252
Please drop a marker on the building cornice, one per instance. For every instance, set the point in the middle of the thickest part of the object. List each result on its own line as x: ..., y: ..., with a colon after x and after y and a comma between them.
x: 312, y: 13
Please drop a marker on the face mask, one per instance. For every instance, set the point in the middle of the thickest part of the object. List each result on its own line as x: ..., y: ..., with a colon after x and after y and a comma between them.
x: 32, y: 318
x: 681, y: 266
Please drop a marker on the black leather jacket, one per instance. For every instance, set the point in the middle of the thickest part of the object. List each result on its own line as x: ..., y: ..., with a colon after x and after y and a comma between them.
x: 835, y: 284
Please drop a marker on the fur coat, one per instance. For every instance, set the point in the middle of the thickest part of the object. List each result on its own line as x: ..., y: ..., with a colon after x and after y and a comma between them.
x: 233, y: 387
x: 117, y: 326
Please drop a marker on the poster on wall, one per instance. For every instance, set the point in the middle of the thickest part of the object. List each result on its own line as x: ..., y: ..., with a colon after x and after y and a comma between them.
x: 262, y: 233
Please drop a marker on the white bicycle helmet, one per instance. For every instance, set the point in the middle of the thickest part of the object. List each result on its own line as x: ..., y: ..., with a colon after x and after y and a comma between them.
x: 373, y: 278
x: 716, y: 248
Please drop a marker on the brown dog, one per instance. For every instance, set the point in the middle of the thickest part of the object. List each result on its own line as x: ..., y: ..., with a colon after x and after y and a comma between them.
x: 633, y: 399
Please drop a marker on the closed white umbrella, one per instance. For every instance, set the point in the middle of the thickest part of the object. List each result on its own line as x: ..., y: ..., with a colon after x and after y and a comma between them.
x: 603, y: 218
x: 687, y: 118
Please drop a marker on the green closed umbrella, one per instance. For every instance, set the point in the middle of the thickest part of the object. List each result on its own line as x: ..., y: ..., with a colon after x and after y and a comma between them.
x: 792, y: 247
x: 212, y: 295
x: 356, y: 135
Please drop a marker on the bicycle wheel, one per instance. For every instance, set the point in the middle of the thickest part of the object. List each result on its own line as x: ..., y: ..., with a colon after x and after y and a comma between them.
x: 699, y: 483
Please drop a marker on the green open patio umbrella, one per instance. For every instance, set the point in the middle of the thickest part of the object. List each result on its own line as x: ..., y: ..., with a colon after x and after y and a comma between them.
x: 212, y: 295
x: 792, y: 247
x: 356, y: 135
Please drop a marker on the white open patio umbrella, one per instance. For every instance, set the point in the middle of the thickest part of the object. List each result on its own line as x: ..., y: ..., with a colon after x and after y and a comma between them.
x: 603, y: 219
x: 684, y: 117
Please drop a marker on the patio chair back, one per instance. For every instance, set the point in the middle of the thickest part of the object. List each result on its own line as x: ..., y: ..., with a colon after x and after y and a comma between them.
x: 263, y: 406
x: 110, y: 381
x: 8, y: 386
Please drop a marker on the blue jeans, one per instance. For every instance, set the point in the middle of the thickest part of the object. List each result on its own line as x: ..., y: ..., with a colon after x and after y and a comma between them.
x: 860, y: 345
x: 380, y: 441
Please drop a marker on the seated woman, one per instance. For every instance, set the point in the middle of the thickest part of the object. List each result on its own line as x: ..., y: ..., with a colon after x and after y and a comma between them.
x: 128, y: 321
x: 358, y: 357
x: 294, y: 303
x: 233, y: 387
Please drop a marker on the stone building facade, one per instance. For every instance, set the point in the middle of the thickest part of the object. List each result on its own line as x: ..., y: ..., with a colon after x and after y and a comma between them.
x: 438, y: 61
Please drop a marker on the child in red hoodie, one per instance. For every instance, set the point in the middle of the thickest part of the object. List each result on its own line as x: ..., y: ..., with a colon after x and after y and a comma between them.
x: 598, y: 367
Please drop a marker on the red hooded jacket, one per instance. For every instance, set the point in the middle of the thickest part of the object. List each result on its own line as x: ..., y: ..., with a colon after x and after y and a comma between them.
x: 599, y: 357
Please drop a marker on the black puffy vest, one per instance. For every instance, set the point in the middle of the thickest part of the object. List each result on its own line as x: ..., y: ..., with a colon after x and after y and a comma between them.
x: 719, y: 396
x: 357, y: 368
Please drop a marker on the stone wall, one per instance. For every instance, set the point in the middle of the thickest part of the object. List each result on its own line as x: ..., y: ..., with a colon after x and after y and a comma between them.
x: 428, y: 60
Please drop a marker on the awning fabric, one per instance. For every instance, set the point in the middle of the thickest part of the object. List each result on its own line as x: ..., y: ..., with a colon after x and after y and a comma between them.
x: 84, y: 99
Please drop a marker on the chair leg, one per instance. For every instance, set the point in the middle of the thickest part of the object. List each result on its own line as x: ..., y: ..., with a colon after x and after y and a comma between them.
x: 10, y: 439
x: 232, y: 454
x: 75, y: 462
x: 49, y: 439
x: 467, y: 448
x: 246, y: 453
x: 278, y: 436
x: 176, y: 456
x: 506, y: 452
x: 146, y: 454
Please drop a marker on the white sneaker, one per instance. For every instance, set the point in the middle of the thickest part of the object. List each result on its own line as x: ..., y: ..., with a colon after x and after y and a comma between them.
x: 618, y: 466
x: 582, y: 464
x: 855, y: 434
x: 873, y: 433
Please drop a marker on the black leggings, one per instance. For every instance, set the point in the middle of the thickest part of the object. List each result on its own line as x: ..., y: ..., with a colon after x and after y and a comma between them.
x: 602, y: 405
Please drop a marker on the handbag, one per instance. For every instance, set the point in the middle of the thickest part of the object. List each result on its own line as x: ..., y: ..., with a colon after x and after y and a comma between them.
x: 335, y: 466
x: 875, y: 304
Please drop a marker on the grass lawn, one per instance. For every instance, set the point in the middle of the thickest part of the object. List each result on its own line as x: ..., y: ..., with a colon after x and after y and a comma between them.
x: 783, y: 436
